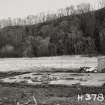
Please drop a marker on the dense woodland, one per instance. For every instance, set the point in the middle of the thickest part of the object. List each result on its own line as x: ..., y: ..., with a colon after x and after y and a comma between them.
x: 70, y: 31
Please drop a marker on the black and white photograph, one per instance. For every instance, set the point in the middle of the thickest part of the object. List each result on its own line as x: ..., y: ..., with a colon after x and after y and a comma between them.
x: 52, y: 52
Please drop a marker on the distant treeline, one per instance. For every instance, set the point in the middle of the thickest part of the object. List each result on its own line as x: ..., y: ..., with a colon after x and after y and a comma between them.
x: 70, y: 31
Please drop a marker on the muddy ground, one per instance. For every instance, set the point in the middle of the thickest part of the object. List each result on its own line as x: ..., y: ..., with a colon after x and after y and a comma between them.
x: 51, y: 94
x: 48, y: 95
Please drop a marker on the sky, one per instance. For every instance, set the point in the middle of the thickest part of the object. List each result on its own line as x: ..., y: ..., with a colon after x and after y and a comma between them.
x: 22, y: 8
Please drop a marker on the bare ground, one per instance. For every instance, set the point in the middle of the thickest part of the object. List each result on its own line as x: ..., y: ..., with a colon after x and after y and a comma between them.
x: 21, y: 94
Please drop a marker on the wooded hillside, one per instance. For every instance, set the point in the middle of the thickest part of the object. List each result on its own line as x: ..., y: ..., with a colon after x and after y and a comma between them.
x: 68, y: 32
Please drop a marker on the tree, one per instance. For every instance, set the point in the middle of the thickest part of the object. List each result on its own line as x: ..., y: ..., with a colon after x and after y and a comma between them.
x: 102, y: 40
x: 28, y: 47
x: 42, y: 48
x: 7, y: 51
x: 87, y: 19
x: 61, y: 13
x: 69, y: 10
x: 101, y: 3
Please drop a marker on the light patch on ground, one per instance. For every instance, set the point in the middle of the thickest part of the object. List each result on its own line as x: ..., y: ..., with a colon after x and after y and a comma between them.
x: 67, y: 62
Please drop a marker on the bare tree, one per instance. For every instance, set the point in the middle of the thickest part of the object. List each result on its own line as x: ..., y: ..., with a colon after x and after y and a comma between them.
x: 83, y: 8
x: 69, y: 10
x: 101, y: 3
x: 60, y: 13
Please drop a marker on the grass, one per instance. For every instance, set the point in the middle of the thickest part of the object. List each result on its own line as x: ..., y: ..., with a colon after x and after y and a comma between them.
x: 51, y: 95
x: 36, y: 64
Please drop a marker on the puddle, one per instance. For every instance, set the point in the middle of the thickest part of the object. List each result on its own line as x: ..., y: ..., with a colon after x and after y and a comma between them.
x: 69, y: 79
x: 77, y: 74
